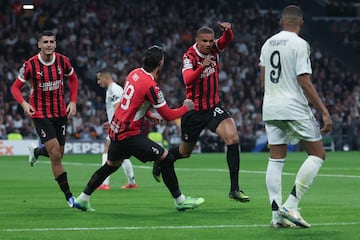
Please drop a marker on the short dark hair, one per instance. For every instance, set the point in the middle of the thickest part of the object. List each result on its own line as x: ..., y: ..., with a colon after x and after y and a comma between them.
x: 204, y: 30
x: 48, y: 33
x: 292, y: 11
x: 105, y: 70
x: 152, y: 58
x: 292, y: 15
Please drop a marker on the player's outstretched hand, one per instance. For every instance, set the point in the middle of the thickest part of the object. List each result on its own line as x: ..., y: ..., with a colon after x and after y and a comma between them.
x: 224, y: 25
x: 189, y: 103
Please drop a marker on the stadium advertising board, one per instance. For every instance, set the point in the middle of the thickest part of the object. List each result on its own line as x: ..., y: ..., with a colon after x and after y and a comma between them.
x: 20, y: 147
x: 15, y: 147
x: 84, y: 147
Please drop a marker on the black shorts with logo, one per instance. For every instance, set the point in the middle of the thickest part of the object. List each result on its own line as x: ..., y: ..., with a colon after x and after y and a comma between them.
x: 193, y: 122
x: 139, y: 146
x: 49, y: 128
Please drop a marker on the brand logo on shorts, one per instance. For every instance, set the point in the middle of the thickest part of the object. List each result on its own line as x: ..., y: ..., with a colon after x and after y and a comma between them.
x: 155, y: 150
x: 42, y: 133
x: 186, y: 137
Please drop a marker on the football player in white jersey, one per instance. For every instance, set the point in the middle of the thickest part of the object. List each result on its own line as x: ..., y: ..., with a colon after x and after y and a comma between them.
x: 286, y: 78
x: 112, y: 100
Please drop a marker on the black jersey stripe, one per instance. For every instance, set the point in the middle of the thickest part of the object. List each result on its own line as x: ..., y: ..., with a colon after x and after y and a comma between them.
x: 153, y: 95
x: 51, y: 93
x: 43, y: 93
x: 208, y: 95
x: 201, y: 95
x: 35, y: 83
x: 215, y: 89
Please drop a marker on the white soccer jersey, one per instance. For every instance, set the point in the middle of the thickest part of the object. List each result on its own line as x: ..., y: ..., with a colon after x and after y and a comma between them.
x: 113, y: 96
x: 285, y: 56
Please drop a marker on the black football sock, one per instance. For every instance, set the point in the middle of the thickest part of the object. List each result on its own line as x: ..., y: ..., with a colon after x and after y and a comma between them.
x: 98, y: 177
x: 233, y: 160
x: 176, y: 153
x: 169, y: 176
x: 41, y: 151
x: 64, y: 185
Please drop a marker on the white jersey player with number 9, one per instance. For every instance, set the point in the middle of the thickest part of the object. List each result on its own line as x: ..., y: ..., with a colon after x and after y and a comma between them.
x: 285, y: 75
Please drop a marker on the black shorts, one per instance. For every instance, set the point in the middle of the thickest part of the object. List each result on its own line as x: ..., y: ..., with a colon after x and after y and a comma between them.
x: 139, y: 146
x: 193, y: 122
x: 49, y: 128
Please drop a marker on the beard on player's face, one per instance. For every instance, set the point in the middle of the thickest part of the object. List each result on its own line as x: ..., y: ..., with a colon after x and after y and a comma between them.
x: 158, y: 73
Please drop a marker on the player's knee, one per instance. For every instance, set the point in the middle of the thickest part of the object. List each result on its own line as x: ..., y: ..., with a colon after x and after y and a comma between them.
x: 231, y: 139
x: 54, y: 153
x: 319, y: 154
x: 185, y: 152
x: 167, y: 162
x: 186, y: 155
x: 116, y: 163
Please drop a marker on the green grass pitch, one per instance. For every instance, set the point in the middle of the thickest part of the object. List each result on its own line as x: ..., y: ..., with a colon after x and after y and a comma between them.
x: 32, y: 206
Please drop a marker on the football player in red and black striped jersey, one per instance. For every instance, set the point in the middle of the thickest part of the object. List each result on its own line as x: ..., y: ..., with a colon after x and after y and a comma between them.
x: 141, y: 92
x: 46, y: 73
x: 201, y: 77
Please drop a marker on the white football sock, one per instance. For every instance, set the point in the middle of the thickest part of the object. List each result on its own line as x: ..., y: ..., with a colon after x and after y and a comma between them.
x: 180, y: 199
x: 84, y: 196
x: 304, y: 178
x: 129, y: 171
x: 273, y: 184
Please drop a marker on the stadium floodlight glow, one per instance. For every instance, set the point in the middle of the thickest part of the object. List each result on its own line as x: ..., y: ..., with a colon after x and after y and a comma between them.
x: 28, y: 6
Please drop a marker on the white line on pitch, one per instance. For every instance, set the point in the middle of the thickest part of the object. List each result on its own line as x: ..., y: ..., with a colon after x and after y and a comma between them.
x: 209, y: 170
x: 215, y: 170
x: 160, y: 227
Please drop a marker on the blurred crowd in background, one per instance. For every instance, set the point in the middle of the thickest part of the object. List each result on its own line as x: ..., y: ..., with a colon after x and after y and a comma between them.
x: 114, y: 34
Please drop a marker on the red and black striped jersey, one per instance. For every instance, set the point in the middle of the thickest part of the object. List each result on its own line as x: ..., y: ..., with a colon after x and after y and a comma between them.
x: 140, y: 93
x: 202, y: 84
x: 204, y: 89
x: 47, y: 84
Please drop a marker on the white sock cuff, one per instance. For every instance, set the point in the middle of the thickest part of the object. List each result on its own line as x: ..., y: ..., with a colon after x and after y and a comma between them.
x: 125, y: 161
x: 280, y: 160
x: 179, y: 199
x: 315, y: 159
x: 84, y: 196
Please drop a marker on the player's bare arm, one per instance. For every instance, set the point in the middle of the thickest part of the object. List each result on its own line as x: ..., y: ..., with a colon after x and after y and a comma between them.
x: 262, y: 78
x: 313, y: 97
x: 71, y: 109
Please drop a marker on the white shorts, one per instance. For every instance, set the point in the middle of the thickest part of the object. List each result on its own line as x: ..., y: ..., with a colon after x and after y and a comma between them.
x: 292, y: 131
